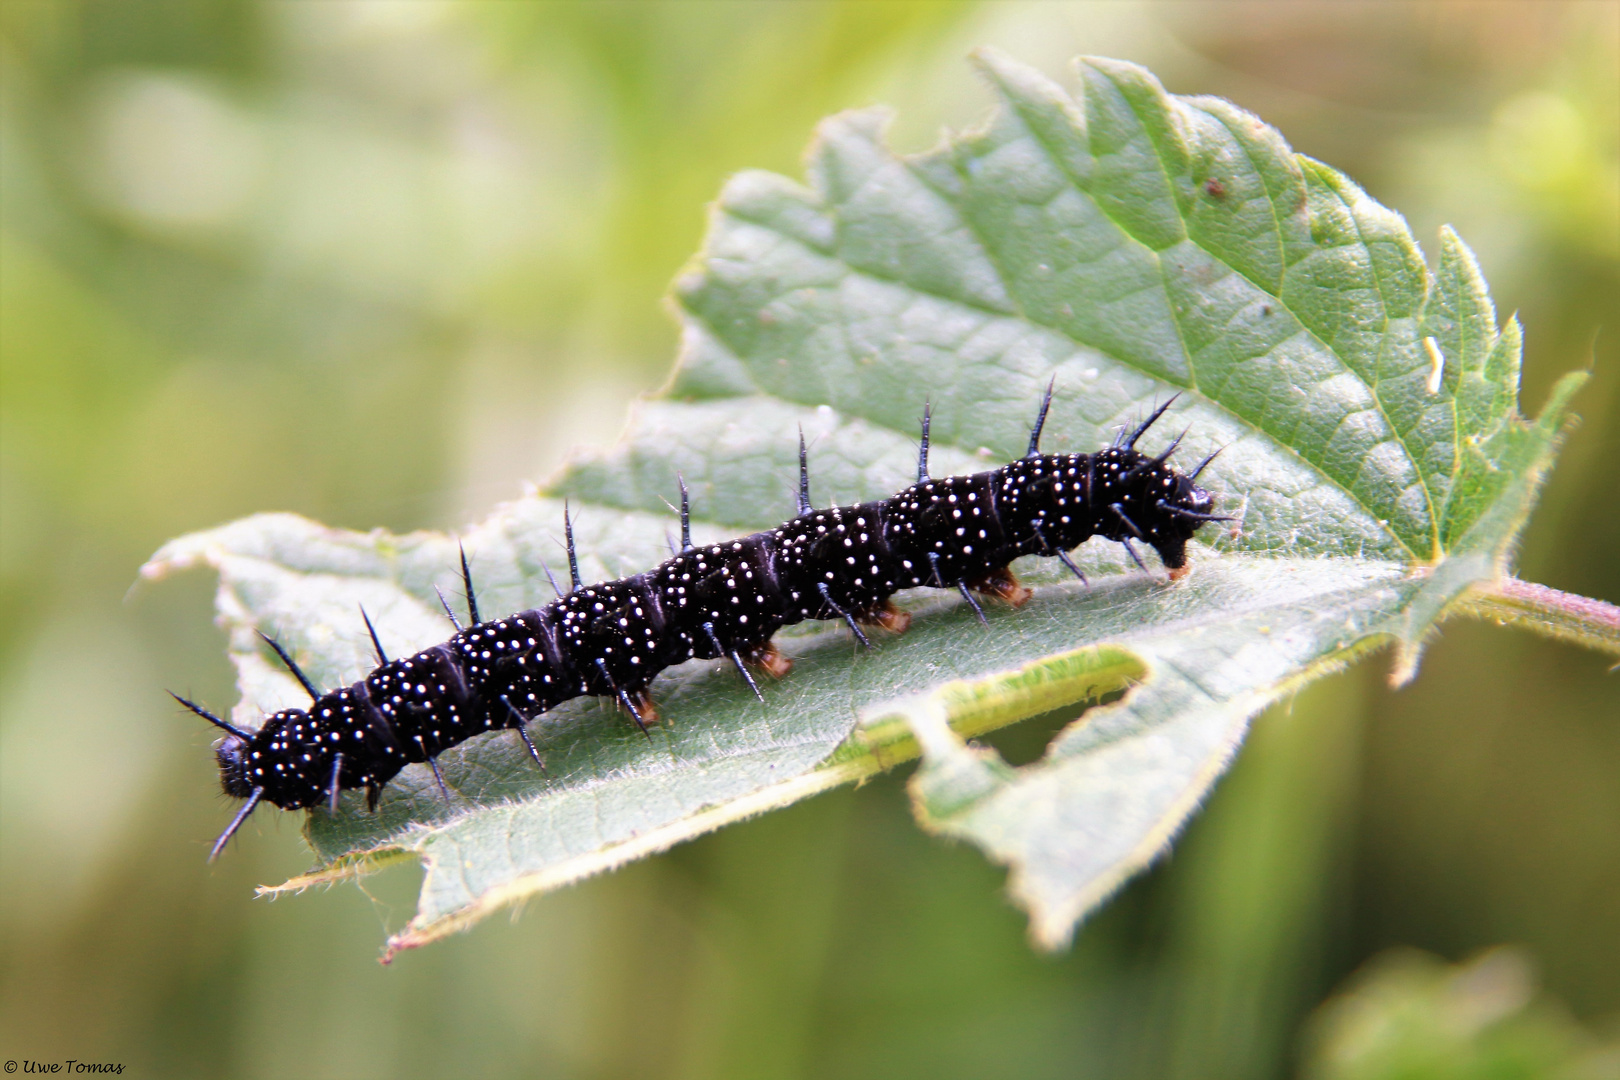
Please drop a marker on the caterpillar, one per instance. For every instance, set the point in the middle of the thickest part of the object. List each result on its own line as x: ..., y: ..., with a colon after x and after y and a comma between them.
x: 720, y: 601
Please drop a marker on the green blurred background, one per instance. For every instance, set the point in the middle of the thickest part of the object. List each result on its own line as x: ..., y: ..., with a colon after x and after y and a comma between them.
x: 381, y: 263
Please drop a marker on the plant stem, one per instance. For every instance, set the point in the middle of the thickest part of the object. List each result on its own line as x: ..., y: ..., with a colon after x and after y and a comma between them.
x: 1562, y: 615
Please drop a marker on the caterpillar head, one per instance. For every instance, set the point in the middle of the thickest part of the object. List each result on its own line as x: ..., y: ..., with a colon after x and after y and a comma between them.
x: 1182, y: 507
x: 262, y: 761
x: 232, y: 754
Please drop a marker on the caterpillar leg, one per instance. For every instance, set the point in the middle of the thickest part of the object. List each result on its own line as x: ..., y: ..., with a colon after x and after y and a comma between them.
x: 886, y: 617
x: 641, y: 708
x: 1002, y: 584
x: 768, y: 659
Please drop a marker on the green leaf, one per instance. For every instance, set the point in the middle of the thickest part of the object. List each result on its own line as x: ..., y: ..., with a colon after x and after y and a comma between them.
x: 1130, y: 244
x: 1407, y: 1013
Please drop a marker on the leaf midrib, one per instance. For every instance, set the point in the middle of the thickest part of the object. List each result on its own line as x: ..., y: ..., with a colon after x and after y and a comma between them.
x: 1372, y: 387
x: 1020, y: 312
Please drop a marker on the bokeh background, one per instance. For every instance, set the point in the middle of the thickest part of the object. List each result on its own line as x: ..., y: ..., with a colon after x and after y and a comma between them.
x: 382, y: 262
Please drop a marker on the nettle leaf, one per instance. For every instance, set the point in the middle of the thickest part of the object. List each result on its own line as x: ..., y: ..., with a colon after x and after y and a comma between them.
x: 1126, y: 242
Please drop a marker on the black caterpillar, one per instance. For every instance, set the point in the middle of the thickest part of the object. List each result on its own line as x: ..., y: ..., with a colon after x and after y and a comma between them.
x: 724, y: 600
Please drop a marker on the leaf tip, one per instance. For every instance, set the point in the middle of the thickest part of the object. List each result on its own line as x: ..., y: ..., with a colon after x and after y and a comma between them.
x: 1555, y: 414
x: 1115, y: 70
x: 993, y: 62
x: 1450, y: 238
x: 1407, y: 655
x: 1051, y: 933
x: 867, y: 123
